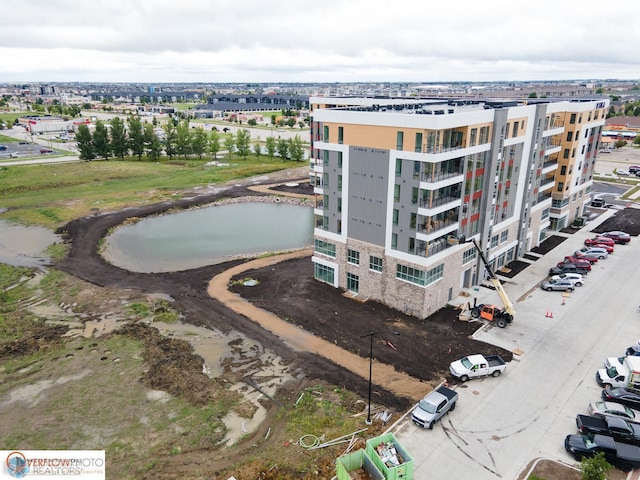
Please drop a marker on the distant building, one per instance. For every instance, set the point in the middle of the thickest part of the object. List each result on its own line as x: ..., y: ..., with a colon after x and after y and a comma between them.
x: 399, y: 183
x: 620, y: 128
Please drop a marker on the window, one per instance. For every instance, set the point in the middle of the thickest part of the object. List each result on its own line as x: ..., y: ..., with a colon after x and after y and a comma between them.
x: 325, y: 222
x: 409, y: 274
x: 563, y: 170
x: 506, y: 132
x: 326, y: 133
x: 394, y: 241
x: 545, y: 213
x: 414, y: 195
x: 586, y: 133
x: 560, y: 186
x: 412, y: 222
x: 396, y: 215
x: 504, y: 236
x: 472, y: 137
x: 323, y: 273
x: 339, y: 182
x: 469, y: 255
x: 396, y: 193
x: 339, y: 204
x: 572, y: 120
x: 375, y: 263
x: 494, y: 241
x: 325, y: 154
x: 325, y: 180
x: 340, y: 134
x: 399, y: 140
x: 353, y: 282
x: 569, y: 136
x: 325, y: 248
x: 398, y: 167
x: 484, y: 135
x: 515, y: 129
x: 325, y: 201
x: 353, y: 256
x: 565, y: 154
x: 339, y: 159
x: 416, y: 170
x: 418, y: 142
x: 573, y: 153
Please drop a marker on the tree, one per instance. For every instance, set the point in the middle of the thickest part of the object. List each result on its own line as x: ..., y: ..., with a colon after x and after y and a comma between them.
x: 291, y: 122
x: 271, y: 146
x: 136, y: 136
x: 636, y: 140
x: 243, y: 144
x: 620, y: 143
x: 273, y: 119
x: 301, y: 124
x: 595, y: 468
x: 214, y: 143
x: 183, y: 139
x: 296, y: 152
x: 257, y: 149
x: 229, y: 144
x: 199, y: 140
x: 85, y: 143
x: 283, y: 149
x: 119, y: 144
x: 252, y: 122
x: 599, y: 90
x: 533, y: 95
x: 86, y: 106
x: 101, y: 142
x: 170, y: 139
x: 152, y: 143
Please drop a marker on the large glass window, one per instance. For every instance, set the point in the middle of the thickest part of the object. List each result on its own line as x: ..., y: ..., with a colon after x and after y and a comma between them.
x: 396, y: 193
x: 323, y: 273
x: 418, y: 142
x: 419, y: 277
x: 340, y: 134
x: 398, y: 167
x: 399, y: 140
x: 353, y: 282
x: 326, y: 133
x: 469, y: 255
x: 339, y: 159
x: 375, y: 263
x: 325, y: 248
x: 396, y: 215
x: 353, y: 256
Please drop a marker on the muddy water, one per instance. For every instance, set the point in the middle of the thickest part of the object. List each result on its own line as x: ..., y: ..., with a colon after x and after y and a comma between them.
x: 22, y: 246
x: 209, y: 235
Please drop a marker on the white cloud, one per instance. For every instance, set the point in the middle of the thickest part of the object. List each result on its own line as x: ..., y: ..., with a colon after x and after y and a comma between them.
x: 288, y: 40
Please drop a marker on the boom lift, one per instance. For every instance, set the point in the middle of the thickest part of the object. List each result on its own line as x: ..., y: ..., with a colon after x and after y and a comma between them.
x: 502, y: 316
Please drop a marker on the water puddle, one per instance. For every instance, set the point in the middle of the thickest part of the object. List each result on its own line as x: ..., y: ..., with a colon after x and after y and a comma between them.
x: 22, y: 246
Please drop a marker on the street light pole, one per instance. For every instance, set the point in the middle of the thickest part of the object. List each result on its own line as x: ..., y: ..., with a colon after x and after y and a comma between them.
x: 368, y: 421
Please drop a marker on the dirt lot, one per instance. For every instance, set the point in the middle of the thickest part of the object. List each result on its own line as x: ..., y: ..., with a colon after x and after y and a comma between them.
x: 424, y: 348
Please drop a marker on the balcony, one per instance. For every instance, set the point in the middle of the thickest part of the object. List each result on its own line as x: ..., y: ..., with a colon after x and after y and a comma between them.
x: 433, y: 177
x: 438, y: 245
x: 429, y: 225
x: 546, y: 183
x: 543, y: 196
x: 436, y: 202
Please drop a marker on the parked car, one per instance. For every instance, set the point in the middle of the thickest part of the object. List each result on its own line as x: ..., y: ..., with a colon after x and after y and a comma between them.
x: 606, y: 246
x: 574, y: 278
x: 619, y: 454
x: 626, y: 396
x: 622, y: 173
x: 567, y: 268
x: 618, y: 237
x: 590, y: 258
x: 578, y: 262
x: 618, y: 428
x: 477, y: 365
x: 557, y: 285
x: 23, y: 143
x: 433, y: 407
x: 634, y: 169
x: 592, y: 252
x: 612, y: 409
x: 46, y: 150
x: 597, y: 202
x: 599, y: 240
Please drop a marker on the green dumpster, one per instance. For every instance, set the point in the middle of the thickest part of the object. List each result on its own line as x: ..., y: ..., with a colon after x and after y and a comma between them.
x: 357, y: 465
x: 390, y: 457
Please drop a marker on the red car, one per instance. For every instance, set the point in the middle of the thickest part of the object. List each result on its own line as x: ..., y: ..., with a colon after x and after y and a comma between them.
x: 579, y: 255
x: 606, y: 246
x: 592, y: 242
x: 578, y: 262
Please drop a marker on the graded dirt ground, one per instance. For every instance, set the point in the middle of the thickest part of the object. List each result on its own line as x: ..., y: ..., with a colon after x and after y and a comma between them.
x: 423, y: 350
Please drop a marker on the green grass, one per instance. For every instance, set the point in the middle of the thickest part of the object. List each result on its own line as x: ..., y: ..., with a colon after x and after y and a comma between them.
x: 6, y: 139
x: 51, y: 195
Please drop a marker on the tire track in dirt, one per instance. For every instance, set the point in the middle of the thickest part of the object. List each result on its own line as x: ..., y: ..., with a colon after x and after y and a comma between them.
x: 300, y: 340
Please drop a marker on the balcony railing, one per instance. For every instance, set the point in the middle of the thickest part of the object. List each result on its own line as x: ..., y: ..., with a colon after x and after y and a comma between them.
x: 543, y: 196
x: 438, y: 176
x: 545, y: 183
x: 435, y: 202
x: 434, y: 247
x: 434, y: 225
x: 550, y: 163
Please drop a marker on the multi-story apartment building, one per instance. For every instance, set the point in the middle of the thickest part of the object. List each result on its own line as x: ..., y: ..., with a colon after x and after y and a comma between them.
x: 399, y: 183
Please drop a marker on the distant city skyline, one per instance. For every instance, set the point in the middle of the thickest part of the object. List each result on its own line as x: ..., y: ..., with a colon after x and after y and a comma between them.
x: 255, y: 41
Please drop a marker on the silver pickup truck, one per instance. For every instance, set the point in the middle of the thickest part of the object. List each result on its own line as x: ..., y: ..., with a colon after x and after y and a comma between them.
x: 433, y: 406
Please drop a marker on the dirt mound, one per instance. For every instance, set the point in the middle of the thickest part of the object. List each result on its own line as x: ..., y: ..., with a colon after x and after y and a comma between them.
x: 39, y: 338
x: 627, y: 220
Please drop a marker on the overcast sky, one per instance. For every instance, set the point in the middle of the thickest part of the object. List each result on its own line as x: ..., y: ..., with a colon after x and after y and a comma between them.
x: 315, y: 41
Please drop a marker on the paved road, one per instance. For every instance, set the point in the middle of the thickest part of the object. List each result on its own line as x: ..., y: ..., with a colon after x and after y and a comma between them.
x: 503, y: 424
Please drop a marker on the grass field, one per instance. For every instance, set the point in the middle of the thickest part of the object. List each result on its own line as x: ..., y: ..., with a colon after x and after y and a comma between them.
x: 52, y: 195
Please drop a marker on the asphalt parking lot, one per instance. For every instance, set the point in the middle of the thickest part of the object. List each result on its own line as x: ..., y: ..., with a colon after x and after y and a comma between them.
x: 501, y: 425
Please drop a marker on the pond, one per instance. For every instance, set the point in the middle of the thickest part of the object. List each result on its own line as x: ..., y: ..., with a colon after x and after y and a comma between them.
x: 210, y: 235
x: 22, y: 246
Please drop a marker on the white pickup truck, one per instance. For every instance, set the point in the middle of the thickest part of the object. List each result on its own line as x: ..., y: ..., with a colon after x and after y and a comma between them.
x: 477, y: 365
